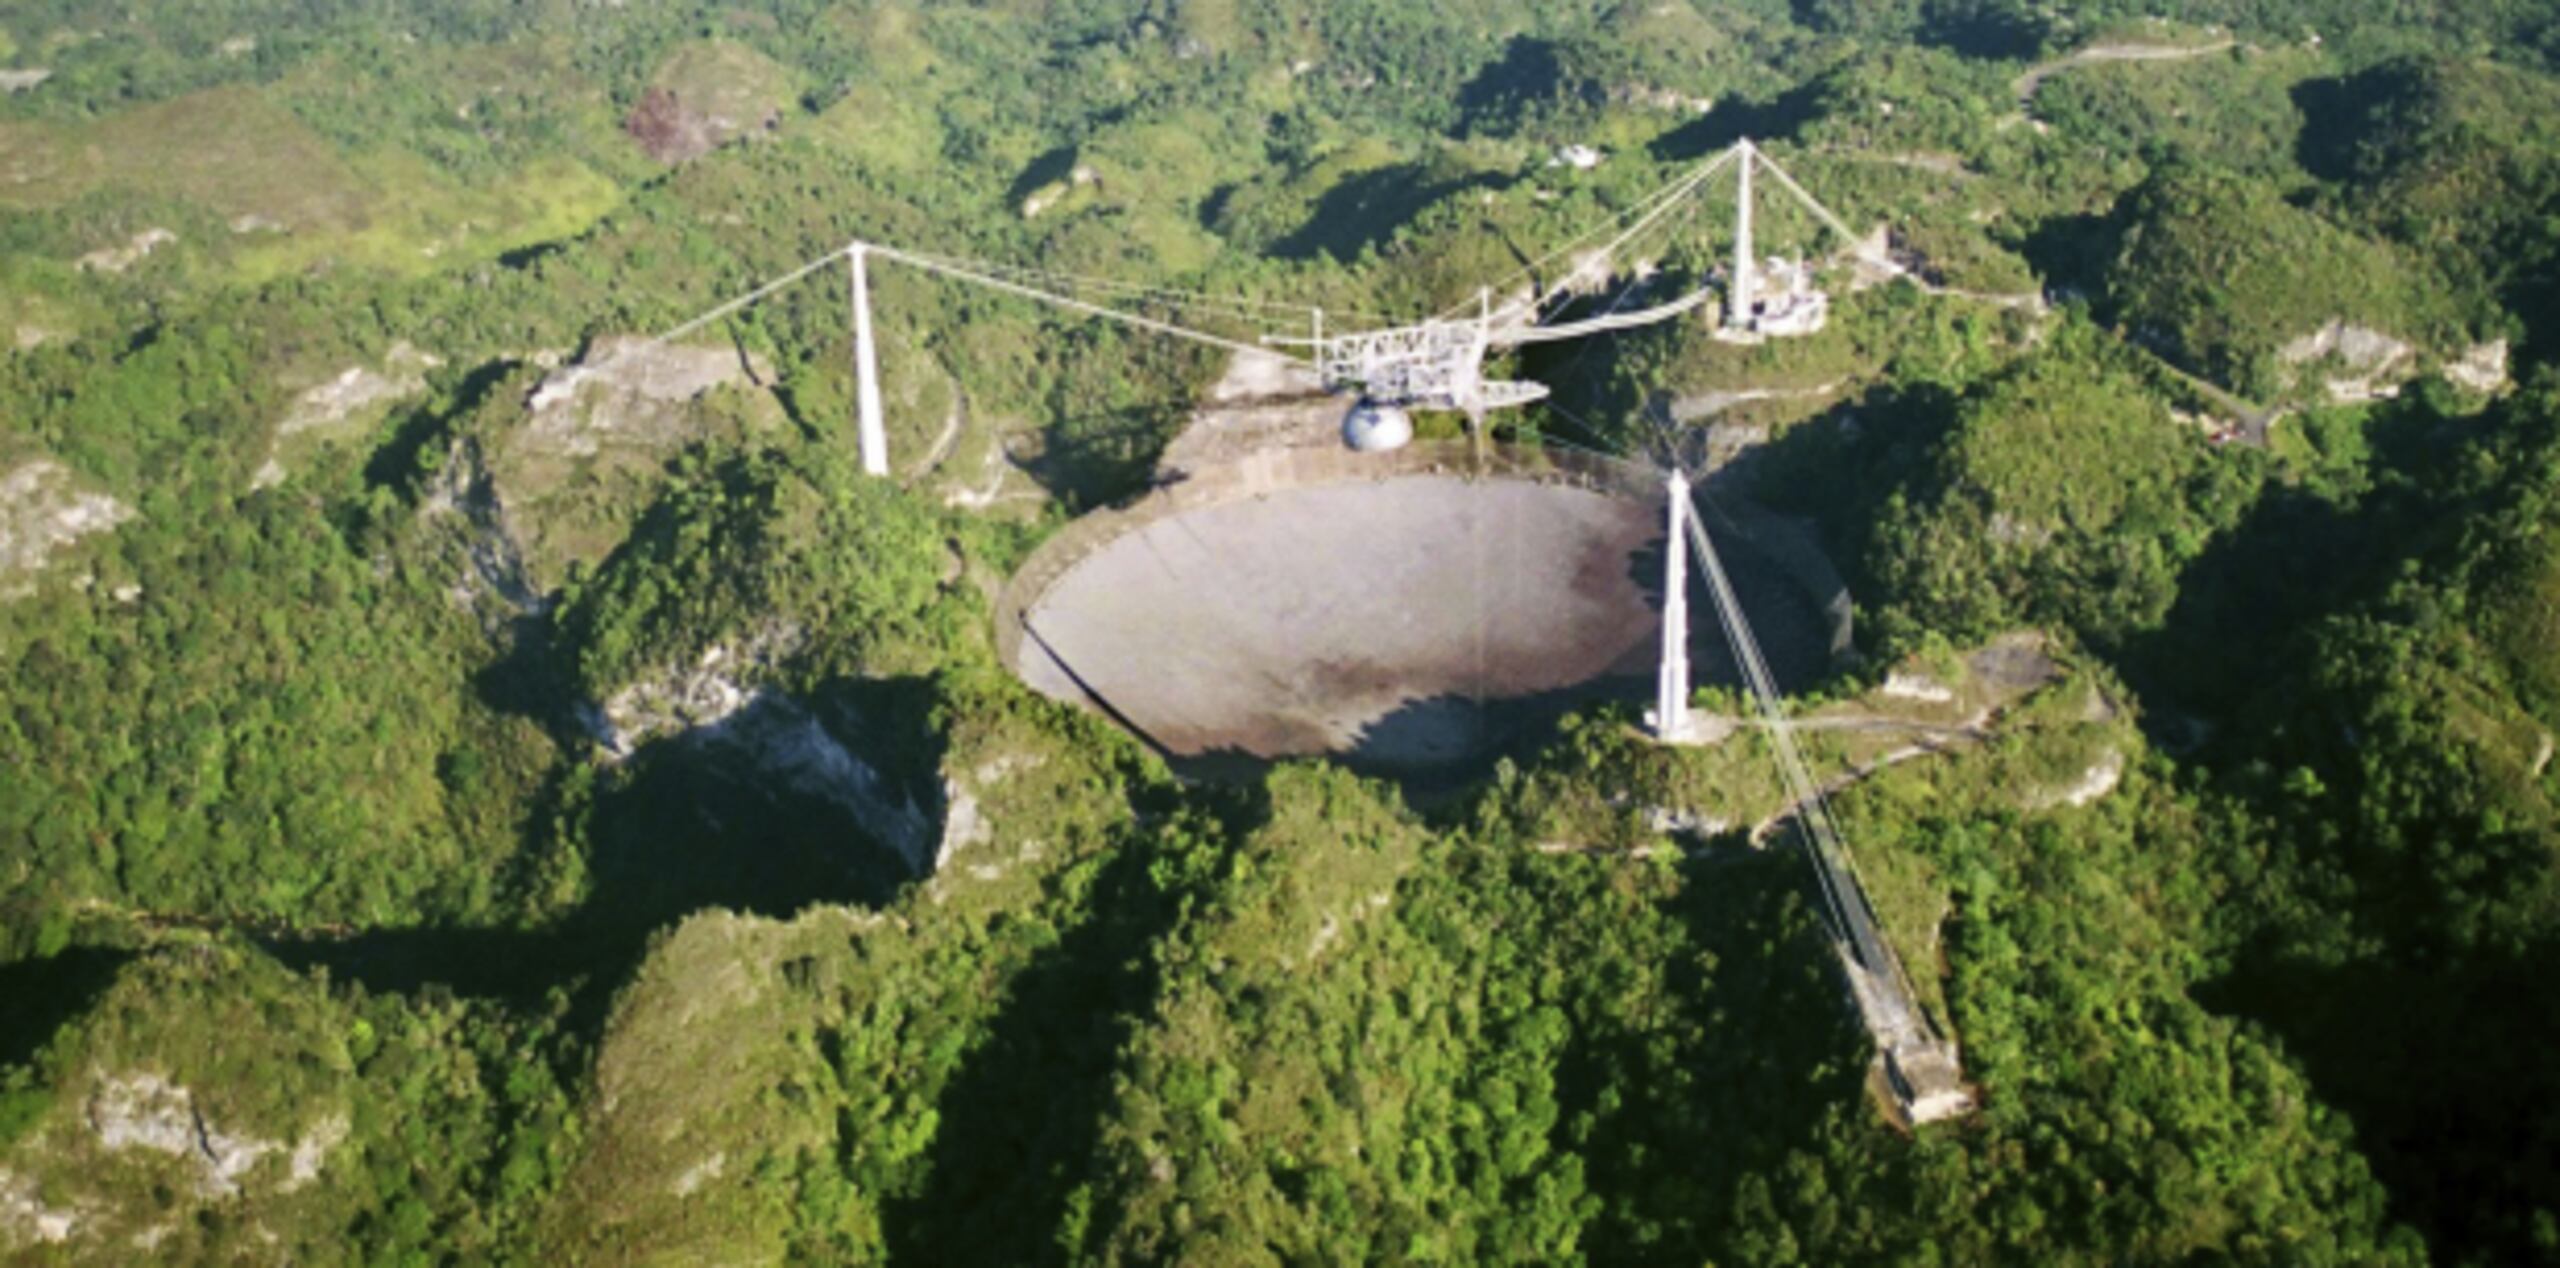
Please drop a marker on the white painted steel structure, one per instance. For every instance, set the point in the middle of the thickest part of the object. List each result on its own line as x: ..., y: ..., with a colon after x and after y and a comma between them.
x: 874, y: 437
x: 1670, y: 717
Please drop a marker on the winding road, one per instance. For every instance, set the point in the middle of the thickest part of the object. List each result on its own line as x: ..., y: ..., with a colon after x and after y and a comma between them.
x: 2028, y: 83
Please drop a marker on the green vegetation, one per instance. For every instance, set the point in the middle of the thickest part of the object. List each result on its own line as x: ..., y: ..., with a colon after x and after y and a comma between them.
x: 436, y: 828
x: 2224, y: 277
x: 842, y: 553
x: 2062, y: 492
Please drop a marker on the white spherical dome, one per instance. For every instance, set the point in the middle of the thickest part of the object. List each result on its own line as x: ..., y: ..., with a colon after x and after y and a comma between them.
x: 1374, y: 428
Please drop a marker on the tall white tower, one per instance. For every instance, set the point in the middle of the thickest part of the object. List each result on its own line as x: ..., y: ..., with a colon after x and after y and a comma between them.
x: 1743, y: 294
x: 874, y: 438
x: 1671, y: 690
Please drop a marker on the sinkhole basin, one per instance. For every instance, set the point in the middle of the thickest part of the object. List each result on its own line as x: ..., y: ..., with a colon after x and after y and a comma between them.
x: 1414, y: 613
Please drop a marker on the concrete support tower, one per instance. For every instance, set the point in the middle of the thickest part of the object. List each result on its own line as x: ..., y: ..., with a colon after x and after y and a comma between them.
x: 874, y: 437
x: 1746, y: 270
x: 1671, y: 690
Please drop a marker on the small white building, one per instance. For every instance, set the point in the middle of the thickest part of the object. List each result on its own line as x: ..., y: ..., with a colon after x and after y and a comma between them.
x: 1580, y: 157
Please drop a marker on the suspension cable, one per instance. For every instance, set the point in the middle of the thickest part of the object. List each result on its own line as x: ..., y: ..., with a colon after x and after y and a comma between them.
x: 1077, y: 305
x: 1646, y: 205
x: 1822, y: 213
x: 1242, y: 306
x: 1645, y: 209
x: 752, y: 296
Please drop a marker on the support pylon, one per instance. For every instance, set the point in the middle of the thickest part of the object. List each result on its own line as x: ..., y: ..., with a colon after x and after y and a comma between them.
x: 872, y: 435
x: 1671, y: 690
x: 1746, y: 271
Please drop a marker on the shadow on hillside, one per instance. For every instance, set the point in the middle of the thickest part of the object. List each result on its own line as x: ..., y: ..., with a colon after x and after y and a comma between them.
x: 1021, y: 1120
x: 685, y: 824
x: 2244, y: 603
x: 1776, y: 1053
x: 39, y: 996
x: 2447, y: 1074
x: 2343, y: 113
x: 1365, y: 209
x: 2071, y: 253
x: 2336, y: 118
x: 1843, y: 469
x: 2246, y: 600
x: 512, y: 965
x: 1775, y: 118
x: 705, y: 822
x: 400, y: 461
x: 531, y: 678
x: 1048, y: 169
x: 2380, y: 126
x: 1986, y: 32
x: 1098, y: 460
x: 1511, y: 88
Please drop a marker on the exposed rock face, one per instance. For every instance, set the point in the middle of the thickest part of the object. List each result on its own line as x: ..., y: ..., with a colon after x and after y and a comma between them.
x: 2097, y: 781
x: 41, y: 511
x: 963, y: 824
x: 705, y: 694
x: 571, y: 480
x: 1665, y: 820
x: 695, y: 1175
x: 664, y: 129
x: 1666, y: 99
x: 2375, y: 363
x: 964, y: 821
x: 626, y: 387
x: 1901, y: 686
x: 2358, y: 346
x: 118, y: 259
x: 144, y: 1111
x: 313, y: 1150
x: 492, y: 559
x: 331, y: 404
x: 2009, y: 530
x: 789, y: 742
x: 1049, y: 195
x: 25, y: 1218
x: 706, y: 94
x: 1700, y: 406
x: 720, y: 700
x: 2482, y: 368
x: 2014, y: 663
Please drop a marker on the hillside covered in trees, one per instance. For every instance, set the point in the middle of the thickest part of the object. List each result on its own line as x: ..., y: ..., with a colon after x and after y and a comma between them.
x: 478, y: 785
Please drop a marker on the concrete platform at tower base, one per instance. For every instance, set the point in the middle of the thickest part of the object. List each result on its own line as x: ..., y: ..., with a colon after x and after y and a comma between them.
x: 1928, y: 1082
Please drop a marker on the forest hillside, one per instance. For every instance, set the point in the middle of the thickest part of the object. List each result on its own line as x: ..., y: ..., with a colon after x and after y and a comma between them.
x: 479, y: 783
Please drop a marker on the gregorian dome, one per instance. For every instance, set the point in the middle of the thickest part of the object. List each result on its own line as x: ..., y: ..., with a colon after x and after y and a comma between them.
x: 1374, y: 428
